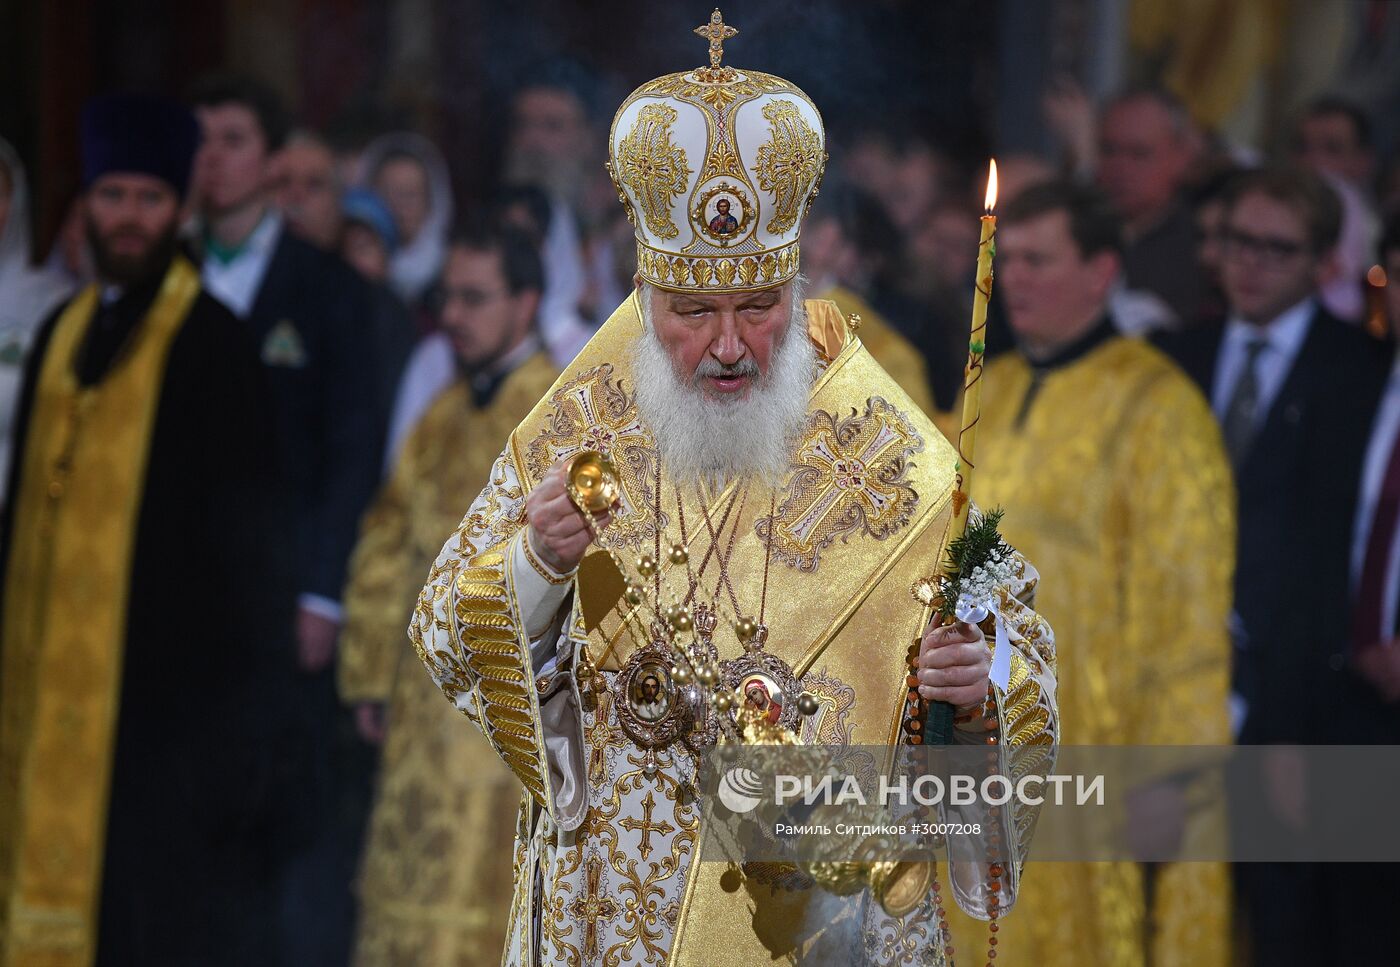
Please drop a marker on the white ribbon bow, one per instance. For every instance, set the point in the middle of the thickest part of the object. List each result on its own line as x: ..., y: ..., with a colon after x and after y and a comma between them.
x: 975, y: 612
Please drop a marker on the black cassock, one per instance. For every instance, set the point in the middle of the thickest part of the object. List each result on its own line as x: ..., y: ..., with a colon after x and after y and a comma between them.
x: 203, y: 758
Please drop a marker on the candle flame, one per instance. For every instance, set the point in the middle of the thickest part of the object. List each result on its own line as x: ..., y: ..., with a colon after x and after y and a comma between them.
x: 992, y: 187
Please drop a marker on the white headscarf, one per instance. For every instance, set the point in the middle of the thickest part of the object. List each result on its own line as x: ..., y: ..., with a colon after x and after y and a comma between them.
x: 27, y: 295
x: 414, y: 267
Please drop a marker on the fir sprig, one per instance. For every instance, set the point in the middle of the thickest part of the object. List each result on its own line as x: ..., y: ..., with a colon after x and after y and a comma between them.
x: 974, y: 549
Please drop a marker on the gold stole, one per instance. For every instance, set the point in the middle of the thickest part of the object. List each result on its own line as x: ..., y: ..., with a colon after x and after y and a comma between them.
x: 64, y: 625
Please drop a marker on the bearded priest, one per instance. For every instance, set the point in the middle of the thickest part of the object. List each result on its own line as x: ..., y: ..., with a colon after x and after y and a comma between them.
x: 769, y: 473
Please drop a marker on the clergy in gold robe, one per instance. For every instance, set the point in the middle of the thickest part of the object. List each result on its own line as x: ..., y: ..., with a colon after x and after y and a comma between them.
x: 1131, y: 507
x: 136, y: 558
x: 435, y: 886
x: 778, y: 488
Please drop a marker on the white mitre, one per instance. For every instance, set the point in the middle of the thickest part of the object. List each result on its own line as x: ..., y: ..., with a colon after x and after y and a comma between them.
x: 717, y: 168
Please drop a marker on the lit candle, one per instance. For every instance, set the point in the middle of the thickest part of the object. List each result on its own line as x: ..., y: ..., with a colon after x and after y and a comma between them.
x: 938, y: 720
x: 972, y: 374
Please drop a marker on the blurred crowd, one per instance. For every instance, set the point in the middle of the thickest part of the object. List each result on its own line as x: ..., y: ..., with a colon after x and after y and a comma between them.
x: 373, y: 298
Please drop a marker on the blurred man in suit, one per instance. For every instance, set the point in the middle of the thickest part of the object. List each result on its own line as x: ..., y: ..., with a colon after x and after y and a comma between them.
x: 1375, y: 562
x: 308, y: 313
x: 308, y: 194
x: 1294, y: 390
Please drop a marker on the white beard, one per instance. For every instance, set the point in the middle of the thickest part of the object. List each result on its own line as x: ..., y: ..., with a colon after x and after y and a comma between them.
x: 701, y: 438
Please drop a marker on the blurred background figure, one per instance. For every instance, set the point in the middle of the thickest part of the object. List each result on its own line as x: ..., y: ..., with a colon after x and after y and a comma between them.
x: 306, y: 190
x: 1147, y: 144
x: 1208, y: 211
x: 27, y: 294
x: 1333, y: 138
x: 1374, y: 652
x: 368, y: 237
x: 134, y: 750
x: 844, y: 241
x: 408, y: 172
x: 358, y: 226
x: 1121, y: 513
x: 436, y: 883
x: 548, y: 143
x: 310, y: 316
x: 1270, y: 372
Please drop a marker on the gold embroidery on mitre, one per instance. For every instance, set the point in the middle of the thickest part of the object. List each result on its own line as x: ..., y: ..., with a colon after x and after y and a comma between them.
x: 851, y: 477
x: 720, y: 274
x: 685, y: 86
x: 653, y: 168
x: 593, y: 411
x: 720, y: 160
x: 789, y: 163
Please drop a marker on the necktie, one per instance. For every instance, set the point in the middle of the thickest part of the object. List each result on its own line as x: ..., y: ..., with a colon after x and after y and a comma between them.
x: 1370, y: 597
x: 1238, y: 425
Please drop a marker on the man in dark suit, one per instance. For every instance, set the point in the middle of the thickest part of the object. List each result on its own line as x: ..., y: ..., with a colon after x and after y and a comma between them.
x: 1295, y: 391
x: 1374, y: 654
x: 308, y: 314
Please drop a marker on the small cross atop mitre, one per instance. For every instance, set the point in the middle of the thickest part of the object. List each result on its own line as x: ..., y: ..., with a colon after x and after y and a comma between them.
x: 716, y: 32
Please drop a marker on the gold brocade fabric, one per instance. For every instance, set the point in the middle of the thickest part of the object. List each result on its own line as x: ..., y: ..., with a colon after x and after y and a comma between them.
x: 436, y: 884
x: 604, y: 872
x: 1117, y: 485
x: 64, y: 626
x: 1211, y: 52
x: 895, y: 354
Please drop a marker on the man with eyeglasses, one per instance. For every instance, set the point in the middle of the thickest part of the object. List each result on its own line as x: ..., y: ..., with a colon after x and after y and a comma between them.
x: 454, y: 900
x: 1295, y: 391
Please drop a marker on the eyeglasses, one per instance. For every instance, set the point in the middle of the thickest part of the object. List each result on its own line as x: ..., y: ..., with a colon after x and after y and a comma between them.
x: 1269, y: 251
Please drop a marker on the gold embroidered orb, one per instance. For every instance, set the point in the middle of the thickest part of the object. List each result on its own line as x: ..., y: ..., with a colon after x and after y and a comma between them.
x: 678, y: 554
x: 646, y: 565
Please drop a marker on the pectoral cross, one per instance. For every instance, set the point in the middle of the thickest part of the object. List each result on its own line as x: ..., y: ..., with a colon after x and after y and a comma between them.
x: 646, y: 825
x: 592, y: 906
x: 716, y: 32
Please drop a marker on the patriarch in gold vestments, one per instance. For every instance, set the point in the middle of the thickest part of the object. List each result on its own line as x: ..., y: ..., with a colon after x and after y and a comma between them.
x: 768, y: 469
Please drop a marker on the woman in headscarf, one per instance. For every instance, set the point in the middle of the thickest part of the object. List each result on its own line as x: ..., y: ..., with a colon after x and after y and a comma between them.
x: 27, y: 294
x: 409, y: 173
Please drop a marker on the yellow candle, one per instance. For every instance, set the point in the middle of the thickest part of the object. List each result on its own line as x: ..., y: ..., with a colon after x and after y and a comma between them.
x: 972, y: 374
